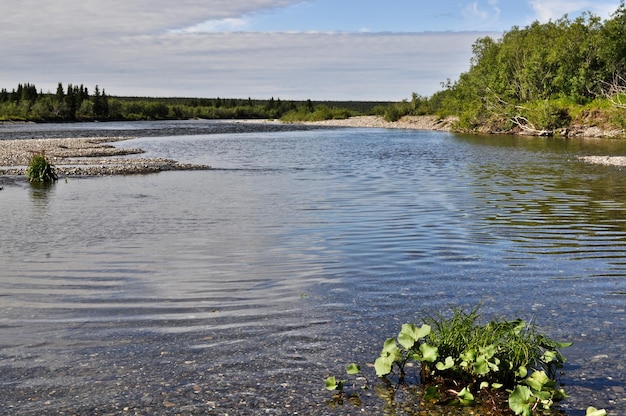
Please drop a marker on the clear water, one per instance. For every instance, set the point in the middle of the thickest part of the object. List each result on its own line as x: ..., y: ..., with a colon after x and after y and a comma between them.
x: 238, y: 290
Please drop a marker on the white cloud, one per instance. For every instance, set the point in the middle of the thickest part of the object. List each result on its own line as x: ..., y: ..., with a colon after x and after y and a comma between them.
x: 496, y: 8
x: 229, y: 24
x: 60, y: 19
x: 474, y: 11
x: 261, y: 65
x: 155, y: 48
x: 546, y: 10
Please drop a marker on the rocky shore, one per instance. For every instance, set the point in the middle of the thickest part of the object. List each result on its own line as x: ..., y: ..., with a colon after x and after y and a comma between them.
x: 83, y: 157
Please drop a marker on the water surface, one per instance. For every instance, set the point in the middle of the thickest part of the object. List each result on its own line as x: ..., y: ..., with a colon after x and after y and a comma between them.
x: 238, y: 290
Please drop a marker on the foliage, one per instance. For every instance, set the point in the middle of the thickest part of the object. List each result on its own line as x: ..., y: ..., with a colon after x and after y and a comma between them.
x: 502, y: 364
x: 516, y: 81
x: 309, y: 112
x: 40, y: 170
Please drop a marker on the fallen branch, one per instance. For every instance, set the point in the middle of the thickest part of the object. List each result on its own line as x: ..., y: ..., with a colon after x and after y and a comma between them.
x: 527, y: 126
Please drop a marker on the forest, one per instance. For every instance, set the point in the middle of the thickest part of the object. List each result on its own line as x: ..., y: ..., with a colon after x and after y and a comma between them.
x: 76, y: 103
x: 541, y: 79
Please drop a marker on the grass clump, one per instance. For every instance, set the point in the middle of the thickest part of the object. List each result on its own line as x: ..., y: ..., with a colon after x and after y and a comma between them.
x: 506, y: 367
x: 40, y: 170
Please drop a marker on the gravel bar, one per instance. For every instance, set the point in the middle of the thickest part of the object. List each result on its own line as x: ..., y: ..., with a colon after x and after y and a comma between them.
x: 93, y: 156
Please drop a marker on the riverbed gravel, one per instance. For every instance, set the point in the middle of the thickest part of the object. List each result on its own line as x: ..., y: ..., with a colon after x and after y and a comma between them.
x: 94, y: 156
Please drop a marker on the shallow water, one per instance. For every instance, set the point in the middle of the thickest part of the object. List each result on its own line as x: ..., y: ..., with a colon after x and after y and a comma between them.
x: 238, y: 290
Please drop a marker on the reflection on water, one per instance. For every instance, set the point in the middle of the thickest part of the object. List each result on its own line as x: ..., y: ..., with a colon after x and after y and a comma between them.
x: 240, y: 289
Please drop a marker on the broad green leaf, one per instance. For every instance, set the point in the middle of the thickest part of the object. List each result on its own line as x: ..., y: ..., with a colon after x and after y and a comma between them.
x: 519, y: 401
x: 494, y: 366
x: 429, y: 353
x: 389, y: 347
x: 408, y: 336
x: 353, y: 368
x: 521, y: 372
x: 548, y: 343
x: 488, y: 351
x: 548, y: 356
x: 592, y: 411
x: 544, y: 396
x: 382, y: 365
x: 444, y: 366
x: 469, y: 355
x: 466, y: 398
x: 423, y: 331
x: 480, y: 366
x: 333, y: 384
x: 431, y: 393
x: 537, y: 380
x: 484, y: 385
x: 497, y: 385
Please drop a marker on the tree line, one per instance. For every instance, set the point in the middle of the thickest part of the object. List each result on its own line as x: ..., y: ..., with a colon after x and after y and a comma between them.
x: 77, y: 103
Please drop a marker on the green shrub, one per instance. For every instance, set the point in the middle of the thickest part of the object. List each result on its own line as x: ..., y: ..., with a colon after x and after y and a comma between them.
x: 548, y: 115
x: 505, y: 366
x: 40, y: 170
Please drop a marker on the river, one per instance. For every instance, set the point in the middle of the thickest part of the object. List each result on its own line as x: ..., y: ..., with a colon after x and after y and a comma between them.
x: 240, y: 289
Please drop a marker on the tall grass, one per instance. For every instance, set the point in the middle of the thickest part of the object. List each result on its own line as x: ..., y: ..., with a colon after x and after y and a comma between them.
x: 40, y: 170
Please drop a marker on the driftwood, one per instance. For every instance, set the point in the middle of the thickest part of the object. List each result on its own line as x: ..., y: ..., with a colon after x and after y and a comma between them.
x: 616, y: 91
x: 527, y: 127
x: 520, y: 121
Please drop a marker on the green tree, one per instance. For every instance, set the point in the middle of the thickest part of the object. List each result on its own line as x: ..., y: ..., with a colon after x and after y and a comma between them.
x: 100, y: 104
x: 71, y: 102
x: 613, y: 41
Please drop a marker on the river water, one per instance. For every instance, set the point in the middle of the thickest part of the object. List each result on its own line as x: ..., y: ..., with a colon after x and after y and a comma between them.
x: 240, y: 289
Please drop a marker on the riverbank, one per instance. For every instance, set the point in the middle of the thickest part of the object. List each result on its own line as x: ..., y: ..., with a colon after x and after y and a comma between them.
x: 447, y: 124
x: 406, y: 122
x: 93, y: 156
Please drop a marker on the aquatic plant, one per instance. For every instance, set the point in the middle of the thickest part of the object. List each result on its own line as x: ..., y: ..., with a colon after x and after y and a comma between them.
x: 40, y: 170
x: 507, y: 366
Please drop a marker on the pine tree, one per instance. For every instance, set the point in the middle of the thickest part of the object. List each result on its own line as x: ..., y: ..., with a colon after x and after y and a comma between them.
x: 71, y: 102
x: 60, y: 95
x: 100, y: 104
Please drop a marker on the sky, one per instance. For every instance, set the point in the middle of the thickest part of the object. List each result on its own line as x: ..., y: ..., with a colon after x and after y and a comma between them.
x: 288, y: 49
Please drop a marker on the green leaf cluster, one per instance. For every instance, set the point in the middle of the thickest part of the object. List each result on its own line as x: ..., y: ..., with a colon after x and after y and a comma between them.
x: 506, y: 364
x: 40, y: 170
x: 409, y: 345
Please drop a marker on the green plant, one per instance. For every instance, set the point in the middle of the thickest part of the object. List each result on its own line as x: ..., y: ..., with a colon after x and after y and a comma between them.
x: 506, y: 365
x: 40, y: 170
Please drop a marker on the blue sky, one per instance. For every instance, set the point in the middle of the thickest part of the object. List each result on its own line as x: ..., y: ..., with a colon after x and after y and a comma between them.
x: 405, y: 15
x: 292, y: 49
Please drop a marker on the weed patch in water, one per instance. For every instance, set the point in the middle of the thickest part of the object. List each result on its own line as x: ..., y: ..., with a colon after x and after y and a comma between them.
x: 504, y: 367
x: 40, y: 170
